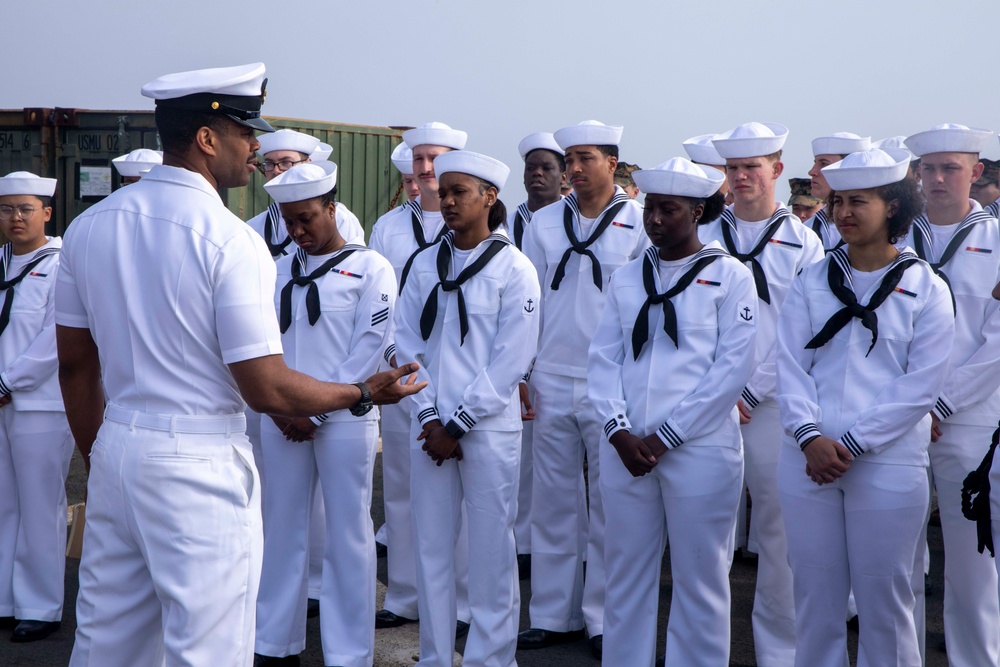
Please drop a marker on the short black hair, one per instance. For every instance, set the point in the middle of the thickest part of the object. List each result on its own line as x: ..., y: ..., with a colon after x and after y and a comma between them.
x: 609, y: 151
x: 714, y: 205
x: 560, y: 158
x: 178, y: 127
x: 328, y: 198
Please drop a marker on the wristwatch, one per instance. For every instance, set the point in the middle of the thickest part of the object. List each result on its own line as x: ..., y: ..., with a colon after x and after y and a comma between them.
x: 365, y: 405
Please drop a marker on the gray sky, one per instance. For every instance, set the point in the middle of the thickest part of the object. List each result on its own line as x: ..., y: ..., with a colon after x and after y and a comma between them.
x: 666, y: 70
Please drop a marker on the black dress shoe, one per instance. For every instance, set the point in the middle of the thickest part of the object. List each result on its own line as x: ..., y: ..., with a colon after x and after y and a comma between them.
x: 387, y: 619
x: 523, y: 566
x: 597, y: 646
x: 312, y: 608
x: 7, y: 621
x: 538, y: 638
x: 32, y: 631
x: 461, y: 629
x: 270, y: 661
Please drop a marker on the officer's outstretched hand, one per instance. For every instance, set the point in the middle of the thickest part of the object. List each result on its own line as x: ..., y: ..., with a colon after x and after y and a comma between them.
x: 387, y: 387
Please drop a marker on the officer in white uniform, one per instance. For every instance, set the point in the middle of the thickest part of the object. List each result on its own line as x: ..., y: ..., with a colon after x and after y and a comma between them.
x: 133, y: 165
x: 861, y: 356
x: 826, y: 151
x: 469, y: 308
x: 672, y: 352
x: 164, y: 304
x: 575, y: 245
x: 544, y: 169
x: 960, y: 241
x: 398, y: 236
x: 775, y: 245
x: 334, y: 301
x: 35, y: 442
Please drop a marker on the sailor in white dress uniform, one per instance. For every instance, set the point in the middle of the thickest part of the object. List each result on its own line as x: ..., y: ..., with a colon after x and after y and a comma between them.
x: 398, y: 236
x: 335, y: 301
x: 469, y: 310
x: 862, y: 356
x: 35, y: 442
x: 775, y: 245
x: 671, y: 354
x: 962, y: 244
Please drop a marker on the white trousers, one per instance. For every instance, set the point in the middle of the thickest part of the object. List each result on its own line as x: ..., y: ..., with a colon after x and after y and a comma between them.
x: 35, y: 451
x: 522, y: 523
x: 971, y: 610
x: 485, y: 483
x: 172, y: 550
x: 317, y: 540
x: 566, y: 427
x: 862, y: 532
x: 773, y: 604
x: 401, y: 559
x: 691, y: 495
x: 340, y: 460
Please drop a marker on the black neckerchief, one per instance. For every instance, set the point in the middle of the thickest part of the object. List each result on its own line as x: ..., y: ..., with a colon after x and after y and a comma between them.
x: 416, y: 219
x: 272, y: 215
x: 922, y: 239
x: 571, y: 211
x: 308, y: 281
x: 8, y: 285
x: 522, y: 216
x: 728, y: 223
x: 429, y: 313
x: 640, y: 332
x: 839, y: 273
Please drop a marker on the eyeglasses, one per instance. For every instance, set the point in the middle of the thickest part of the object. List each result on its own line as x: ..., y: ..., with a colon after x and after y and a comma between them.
x: 267, y: 166
x: 24, y: 211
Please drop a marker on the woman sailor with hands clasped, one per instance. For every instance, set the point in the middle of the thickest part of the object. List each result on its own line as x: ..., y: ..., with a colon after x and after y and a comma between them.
x: 671, y: 354
x: 335, y: 305
x: 862, y: 354
x: 469, y: 310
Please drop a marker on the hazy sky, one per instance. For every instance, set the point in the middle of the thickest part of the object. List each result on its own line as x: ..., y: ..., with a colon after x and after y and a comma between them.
x: 664, y: 70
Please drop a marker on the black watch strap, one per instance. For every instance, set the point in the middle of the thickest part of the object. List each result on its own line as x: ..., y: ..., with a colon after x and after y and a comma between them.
x: 365, y: 405
x: 454, y: 430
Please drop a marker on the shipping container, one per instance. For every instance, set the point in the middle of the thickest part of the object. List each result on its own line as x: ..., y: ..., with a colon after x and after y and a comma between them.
x: 76, y: 146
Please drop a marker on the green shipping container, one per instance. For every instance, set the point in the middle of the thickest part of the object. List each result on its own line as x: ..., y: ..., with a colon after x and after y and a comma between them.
x: 76, y: 146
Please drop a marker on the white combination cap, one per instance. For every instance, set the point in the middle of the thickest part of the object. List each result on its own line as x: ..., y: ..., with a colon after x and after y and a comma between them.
x: 589, y: 133
x: 868, y: 169
x: 402, y: 159
x: 701, y: 150
x: 751, y: 140
x: 840, y: 143
x: 679, y: 177
x: 26, y: 183
x: 948, y: 138
x: 896, y: 143
x: 287, y: 140
x: 466, y: 162
x: 236, y: 92
x: 322, y: 153
x: 303, y: 181
x: 539, y: 140
x: 435, y: 134
x: 138, y: 162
